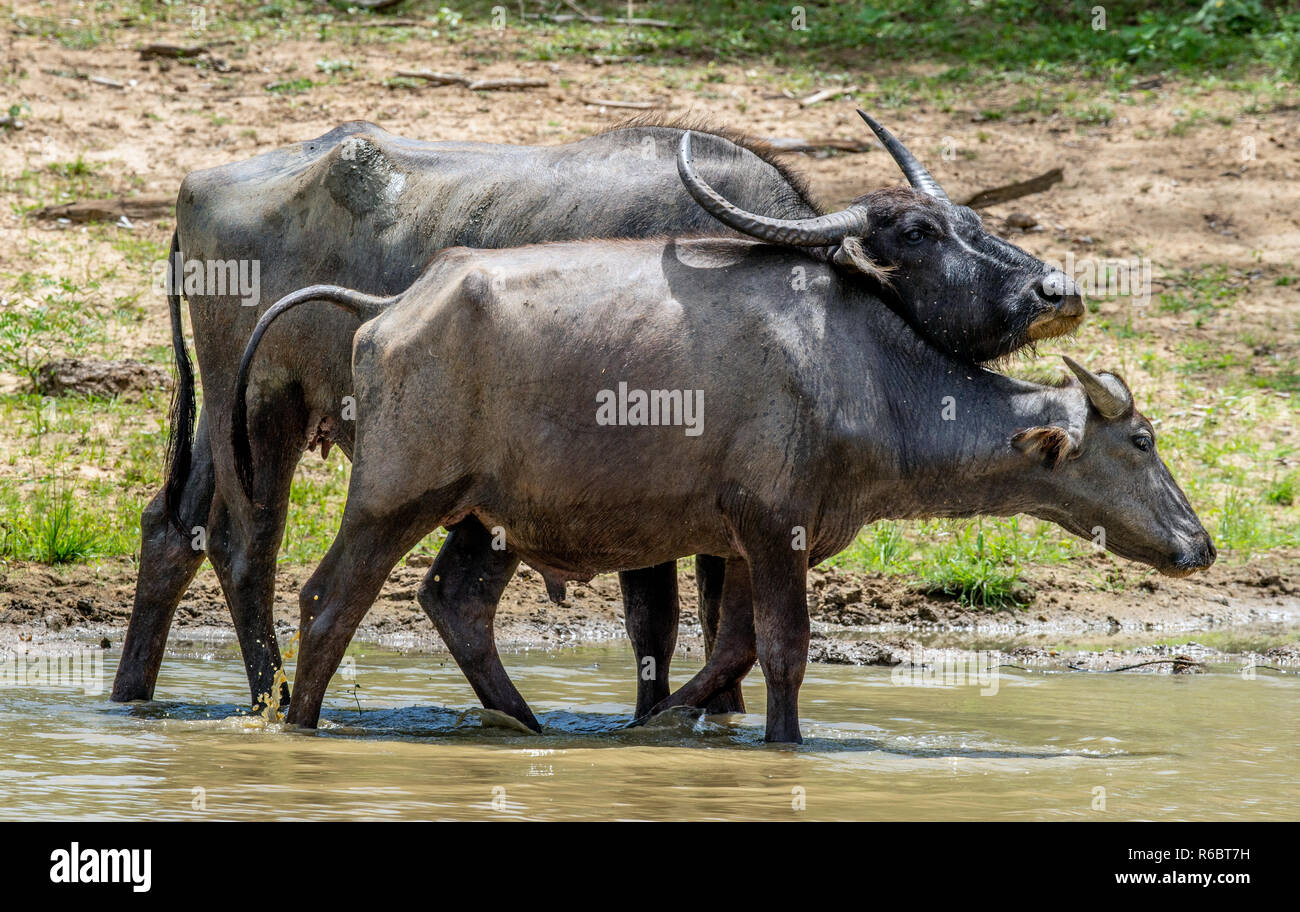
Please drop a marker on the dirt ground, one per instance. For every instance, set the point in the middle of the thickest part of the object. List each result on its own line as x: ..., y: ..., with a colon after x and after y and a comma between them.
x: 39, y: 604
x: 1136, y: 185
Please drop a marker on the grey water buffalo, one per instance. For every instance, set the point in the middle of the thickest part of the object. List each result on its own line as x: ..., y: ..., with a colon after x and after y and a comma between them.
x: 361, y: 207
x: 821, y: 411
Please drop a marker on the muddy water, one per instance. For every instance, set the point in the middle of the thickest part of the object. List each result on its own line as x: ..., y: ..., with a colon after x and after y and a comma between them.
x: 407, y: 743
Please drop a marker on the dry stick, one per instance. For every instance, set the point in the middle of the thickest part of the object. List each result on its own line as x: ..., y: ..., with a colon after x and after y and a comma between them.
x: 1006, y: 194
x: 1175, y: 662
x: 109, y: 209
x: 391, y: 23
x: 1187, y: 663
x: 792, y: 144
x: 483, y: 85
x: 176, y: 51
x: 435, y: 78
x: 826, y: 95
x: 579, y: 10
x: 606, y: 20
x: 97, y: 80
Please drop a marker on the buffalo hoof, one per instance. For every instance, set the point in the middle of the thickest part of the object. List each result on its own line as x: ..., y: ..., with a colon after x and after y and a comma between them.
x: 730, y: 701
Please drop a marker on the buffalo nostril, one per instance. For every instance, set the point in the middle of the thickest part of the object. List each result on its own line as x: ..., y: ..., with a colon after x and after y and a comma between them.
x: 1061, y: 291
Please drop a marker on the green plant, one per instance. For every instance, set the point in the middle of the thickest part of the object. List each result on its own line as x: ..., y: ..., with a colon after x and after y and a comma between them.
x: 1281, y: 491
x: 979, y: 574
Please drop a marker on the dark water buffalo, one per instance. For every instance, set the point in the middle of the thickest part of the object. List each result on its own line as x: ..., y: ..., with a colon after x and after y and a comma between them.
x: 367, y: 209
x: 821, y: 411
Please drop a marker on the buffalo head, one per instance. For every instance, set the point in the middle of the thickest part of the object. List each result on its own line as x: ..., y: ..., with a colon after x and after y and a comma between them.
x: 1109, y: 484
x: 969, y: 292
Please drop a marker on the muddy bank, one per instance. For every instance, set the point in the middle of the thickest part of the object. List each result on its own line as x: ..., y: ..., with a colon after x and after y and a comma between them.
x: 858, y: 618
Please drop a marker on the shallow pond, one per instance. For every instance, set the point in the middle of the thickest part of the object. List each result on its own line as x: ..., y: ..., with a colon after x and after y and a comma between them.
x: 403, y: 740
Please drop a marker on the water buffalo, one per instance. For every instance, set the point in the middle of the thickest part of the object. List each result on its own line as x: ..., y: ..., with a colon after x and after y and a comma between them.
x: 821, y: 411
x: 367, y: 209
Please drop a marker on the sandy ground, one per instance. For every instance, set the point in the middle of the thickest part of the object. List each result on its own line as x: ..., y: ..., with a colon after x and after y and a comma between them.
x: 1134, y: 186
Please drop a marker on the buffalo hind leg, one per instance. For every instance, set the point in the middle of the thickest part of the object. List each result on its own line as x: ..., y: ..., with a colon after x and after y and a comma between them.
x: 169, y: 558
x: 733, y: 649
x: 651, y: 610
x: 339, y: 594
x: 246, y: 570
x: 460, y: 594
x: 244, y: 539
x: 710, y: 573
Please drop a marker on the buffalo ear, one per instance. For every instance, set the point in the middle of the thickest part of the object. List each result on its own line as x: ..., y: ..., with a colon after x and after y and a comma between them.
x: 1053, y: 444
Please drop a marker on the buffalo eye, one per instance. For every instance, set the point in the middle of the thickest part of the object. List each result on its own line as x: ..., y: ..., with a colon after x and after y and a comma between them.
x: 914, y: 235
x: 1143, y: 442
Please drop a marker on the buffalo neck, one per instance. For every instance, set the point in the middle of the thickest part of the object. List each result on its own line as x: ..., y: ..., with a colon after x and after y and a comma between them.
x: 931, y: 436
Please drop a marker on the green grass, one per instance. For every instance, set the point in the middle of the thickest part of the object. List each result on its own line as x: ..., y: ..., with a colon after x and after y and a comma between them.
x: 54, y: 525
x: 979, y: 571
x: 291, y: 86
x: 1139, y: 36
x: 980, y: 563
x: 89, y: 465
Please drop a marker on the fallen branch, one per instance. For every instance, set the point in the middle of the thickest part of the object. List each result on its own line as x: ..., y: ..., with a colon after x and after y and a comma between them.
x: 586, y: 16
x: 374, y: 4
x: 792, y: 144
x: 1006, y: 194
x: 178, y: 52
x: 85, y: 77
x: 435, y: 78
x: 634, y: 105
x: 1178, y: 662
x: 826, y: 95
x: 488, y: 85
x: 391, y: 23
x: 109, y: 210
x: 562, y: 18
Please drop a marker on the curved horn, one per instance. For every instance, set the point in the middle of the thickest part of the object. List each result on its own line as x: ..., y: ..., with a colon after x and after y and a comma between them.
x: 913, y: 170
x: 810, y: 232
x: 1107, y: 394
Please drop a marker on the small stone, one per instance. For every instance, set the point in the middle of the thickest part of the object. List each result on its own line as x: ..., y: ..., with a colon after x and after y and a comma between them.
x: 1021, y: 220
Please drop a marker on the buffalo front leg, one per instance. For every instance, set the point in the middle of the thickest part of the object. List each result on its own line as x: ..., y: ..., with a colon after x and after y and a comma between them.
x: 169, y: 558
x: 733, y: 649
x: 651, y: 610
x: 460, y: 594
x: 710, y: 573
x: 779, y: 577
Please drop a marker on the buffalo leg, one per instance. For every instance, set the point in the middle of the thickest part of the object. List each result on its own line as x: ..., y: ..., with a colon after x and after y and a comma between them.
x: 779, y: 576
x: 245, y: 567
x: 340, y: 592
x: 244, y: 537
x: 651, y: 610
x: 710, y: 573
x: 733, y: 652
x: 169, y: 558
x: 460, y: 594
